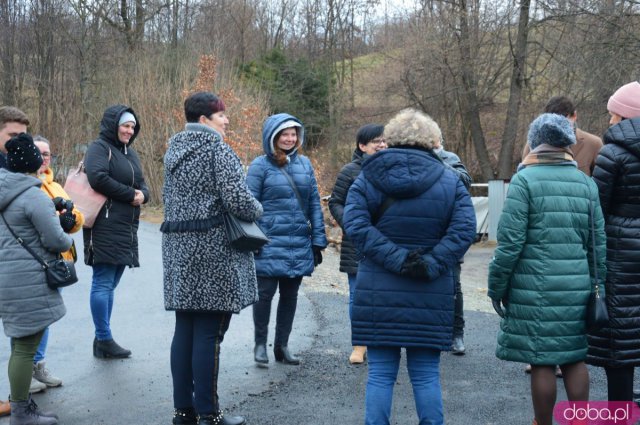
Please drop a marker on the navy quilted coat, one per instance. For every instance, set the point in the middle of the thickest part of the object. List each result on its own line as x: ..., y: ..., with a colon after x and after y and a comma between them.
x: 289, y: 252
x: 433, y: 210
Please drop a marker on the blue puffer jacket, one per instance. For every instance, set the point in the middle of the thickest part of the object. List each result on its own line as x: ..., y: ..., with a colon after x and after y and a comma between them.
x: 289, y: 252
x: 433, y: 211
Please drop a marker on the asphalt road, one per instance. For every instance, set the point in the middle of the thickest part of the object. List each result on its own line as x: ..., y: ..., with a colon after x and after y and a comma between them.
x: 324, y: 389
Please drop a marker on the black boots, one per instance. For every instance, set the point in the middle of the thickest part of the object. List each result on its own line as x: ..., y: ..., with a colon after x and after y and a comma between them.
x: 283, y: 355
x: 189, y: 417
x: 221, y: 419
x: 185, y: 417
x: 260, y: 355
x: 109, y: 349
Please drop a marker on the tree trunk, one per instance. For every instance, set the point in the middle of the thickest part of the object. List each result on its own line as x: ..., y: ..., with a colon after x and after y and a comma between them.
x: 471, y: 106
x: 505, y: 163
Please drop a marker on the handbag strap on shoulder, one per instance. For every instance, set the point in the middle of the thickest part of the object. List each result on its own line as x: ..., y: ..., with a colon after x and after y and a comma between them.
x: 81, y: 166
x: 593, y: 243
x: 44, y: 264
x: 296, y: 192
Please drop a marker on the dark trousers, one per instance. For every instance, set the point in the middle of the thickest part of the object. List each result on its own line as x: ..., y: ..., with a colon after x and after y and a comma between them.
x: 195, y: 360
x: 286, y: 308
x: 620, y: 383
x: 458, y: 312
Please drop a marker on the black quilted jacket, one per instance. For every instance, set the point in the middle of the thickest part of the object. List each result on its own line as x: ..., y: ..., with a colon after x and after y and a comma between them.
x: 114, y: 170
x: 617, y: 174
x: 348, y: 254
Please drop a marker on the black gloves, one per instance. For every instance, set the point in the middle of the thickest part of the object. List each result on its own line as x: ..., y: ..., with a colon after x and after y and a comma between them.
x: 67, y: 221
x: 497, y: 307
x: 62, y: 204
x: 59, y: 203
x: 317, y: 255
x: 415, y: 266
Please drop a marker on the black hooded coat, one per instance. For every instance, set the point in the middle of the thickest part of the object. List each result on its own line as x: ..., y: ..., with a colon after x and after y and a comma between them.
x: 114, y: 170
x: 617, y: 174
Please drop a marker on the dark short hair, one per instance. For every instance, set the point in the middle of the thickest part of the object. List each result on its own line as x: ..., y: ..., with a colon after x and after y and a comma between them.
x: 367, y: 133
x: 560, y: 105
x: 12, y: 114
x: 202, y: 103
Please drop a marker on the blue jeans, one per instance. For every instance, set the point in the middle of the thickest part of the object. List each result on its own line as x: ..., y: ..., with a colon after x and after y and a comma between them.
x: 42, y: 348
x: 424, y: 370
x: 105, y: 280
x: 195, y: 360
x: 352, y: 288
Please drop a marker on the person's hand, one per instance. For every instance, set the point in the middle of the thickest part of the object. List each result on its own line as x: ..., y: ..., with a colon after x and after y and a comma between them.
x: 498, y: 307
x: 317, y: 255
x: 67, y: 221
x: 138, y: 198
x: 59, y: 203
x: 415, y: 266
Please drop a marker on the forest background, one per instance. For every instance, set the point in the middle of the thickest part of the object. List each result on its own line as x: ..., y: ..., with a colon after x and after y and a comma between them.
x: 483, y: 69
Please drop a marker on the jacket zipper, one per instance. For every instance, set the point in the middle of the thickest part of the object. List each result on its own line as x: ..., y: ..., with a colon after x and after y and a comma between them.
x: 133, y: 211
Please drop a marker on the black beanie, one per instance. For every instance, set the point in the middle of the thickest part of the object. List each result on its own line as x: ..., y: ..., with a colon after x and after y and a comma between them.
x: 23, y: 156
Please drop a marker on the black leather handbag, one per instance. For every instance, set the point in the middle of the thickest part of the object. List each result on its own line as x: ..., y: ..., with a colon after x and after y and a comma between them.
x: 243, y: 235
x: 597, y: 314
x: 59, y: 272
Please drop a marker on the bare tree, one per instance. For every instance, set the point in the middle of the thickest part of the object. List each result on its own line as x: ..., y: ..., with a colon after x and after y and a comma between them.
x: 518, y: 75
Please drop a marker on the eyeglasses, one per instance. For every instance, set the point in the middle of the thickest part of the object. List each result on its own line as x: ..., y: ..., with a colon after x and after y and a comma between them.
x: 378, y: 141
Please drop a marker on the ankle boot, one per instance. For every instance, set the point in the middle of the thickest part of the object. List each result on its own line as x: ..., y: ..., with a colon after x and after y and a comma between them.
x: 47, y: 413
x: 221, y: 419
x: 358, y: 354
x: 26, y: 413
x: 283, y: 355
x: 185, y: 417
x: 260, y: 355
x: 109, y: 349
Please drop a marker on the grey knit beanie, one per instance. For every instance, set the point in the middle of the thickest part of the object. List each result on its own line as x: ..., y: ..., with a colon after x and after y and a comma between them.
x: 551, y: 129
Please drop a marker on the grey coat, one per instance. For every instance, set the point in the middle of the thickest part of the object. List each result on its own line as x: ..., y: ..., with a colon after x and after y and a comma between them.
x: 27, y: 305
x: 203, y: 178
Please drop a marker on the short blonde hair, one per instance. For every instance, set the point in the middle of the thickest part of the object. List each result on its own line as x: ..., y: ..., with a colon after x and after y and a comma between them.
x: 411, y: 127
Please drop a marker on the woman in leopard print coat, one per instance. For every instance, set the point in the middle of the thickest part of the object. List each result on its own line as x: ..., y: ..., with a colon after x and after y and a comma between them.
x: 205, y: 279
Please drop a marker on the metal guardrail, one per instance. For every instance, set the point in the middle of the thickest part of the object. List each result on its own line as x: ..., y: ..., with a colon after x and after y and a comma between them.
x: 497, y: 192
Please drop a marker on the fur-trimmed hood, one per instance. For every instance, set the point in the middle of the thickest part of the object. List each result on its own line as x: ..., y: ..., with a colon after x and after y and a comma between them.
x: 275, y: 124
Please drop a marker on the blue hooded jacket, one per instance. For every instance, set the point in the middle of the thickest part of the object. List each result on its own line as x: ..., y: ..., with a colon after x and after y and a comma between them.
x: 432, y: 211
x: 289, y: 252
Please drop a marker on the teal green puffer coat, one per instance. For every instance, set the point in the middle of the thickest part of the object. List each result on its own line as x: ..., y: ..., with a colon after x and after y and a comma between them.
x: 543, y: 264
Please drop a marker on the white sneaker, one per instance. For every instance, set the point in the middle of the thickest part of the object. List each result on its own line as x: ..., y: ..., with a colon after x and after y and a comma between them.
x: 36, y: 386
x: 42, y: 374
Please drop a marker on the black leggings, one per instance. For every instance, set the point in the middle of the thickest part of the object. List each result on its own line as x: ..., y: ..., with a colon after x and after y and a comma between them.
x: 620, y: 383
x: 195, y: 360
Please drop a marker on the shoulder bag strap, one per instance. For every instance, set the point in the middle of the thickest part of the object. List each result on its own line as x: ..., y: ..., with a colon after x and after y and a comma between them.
x: 295, y: 190
x: 593, y: 244
x: 21, y: 242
